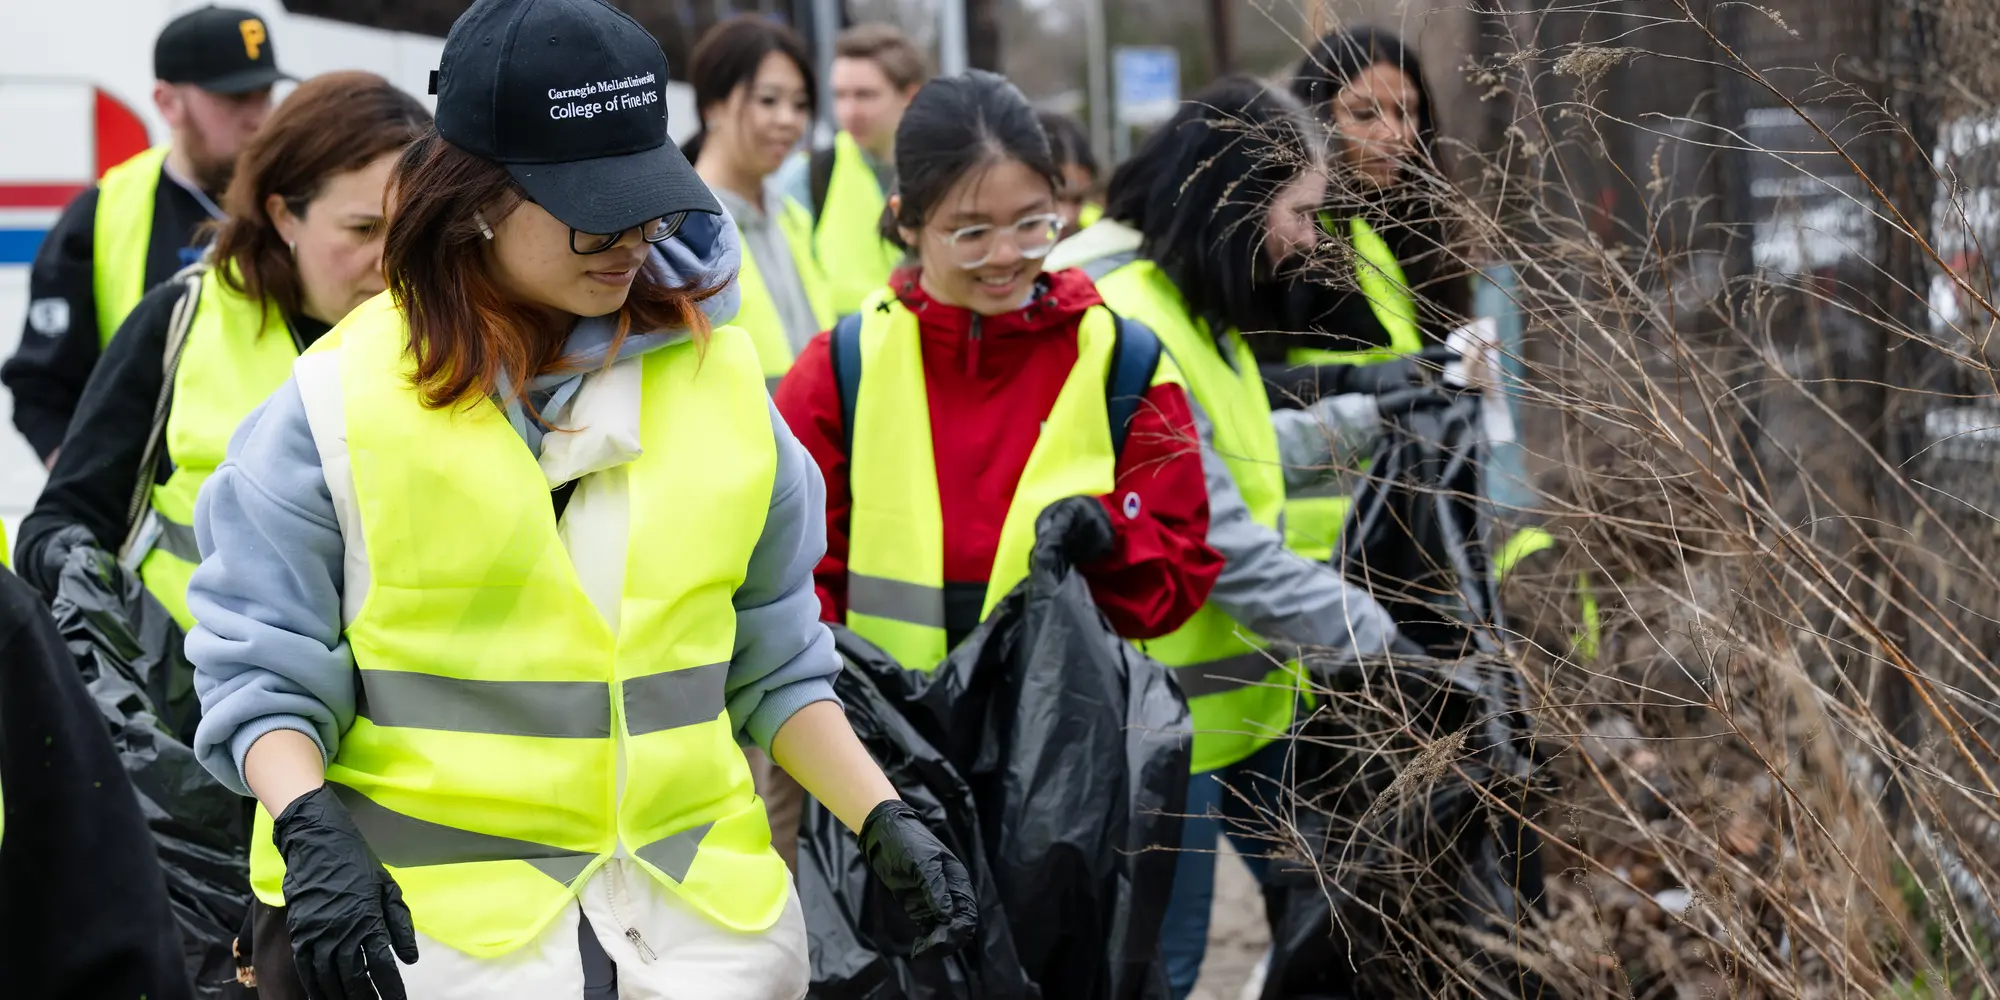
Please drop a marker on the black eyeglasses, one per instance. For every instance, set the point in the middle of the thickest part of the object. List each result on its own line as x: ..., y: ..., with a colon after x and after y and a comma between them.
x: 652, y: 231
x: 584, y: 244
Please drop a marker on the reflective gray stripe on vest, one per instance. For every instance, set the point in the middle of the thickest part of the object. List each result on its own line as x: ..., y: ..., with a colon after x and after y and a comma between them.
x: 1224, y: 675
x: 674, y: 699
x: 674, y: 853
x: 895, y: 600
x: 554, y: 709
x: 177, y: 539
x: 1102, y: 266
x: 408, y: 842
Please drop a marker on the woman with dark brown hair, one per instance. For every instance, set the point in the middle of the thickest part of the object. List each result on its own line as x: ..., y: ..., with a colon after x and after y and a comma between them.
x: 301, y: 247
x: 494, y: 587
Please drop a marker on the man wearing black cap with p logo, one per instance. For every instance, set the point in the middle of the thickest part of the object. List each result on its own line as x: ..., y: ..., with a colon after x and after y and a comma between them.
x: 214, y: 68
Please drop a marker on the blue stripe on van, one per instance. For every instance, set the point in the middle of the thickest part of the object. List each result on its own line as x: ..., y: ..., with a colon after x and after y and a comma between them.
x: 18, y: 246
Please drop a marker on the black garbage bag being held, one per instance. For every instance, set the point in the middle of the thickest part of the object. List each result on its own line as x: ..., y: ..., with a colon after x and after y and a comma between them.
x: 1072, y: 751
x: 1406, y: 775
x: 83, y: 909
x: 129, y: 651
x: 1414, y: 536
x: 860, y: 938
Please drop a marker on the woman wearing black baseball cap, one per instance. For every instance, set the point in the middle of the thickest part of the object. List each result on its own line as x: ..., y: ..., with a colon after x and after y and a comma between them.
x: 514, y: 562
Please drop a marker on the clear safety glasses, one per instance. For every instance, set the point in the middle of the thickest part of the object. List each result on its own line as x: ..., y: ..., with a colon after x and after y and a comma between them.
x: 1034, y: 235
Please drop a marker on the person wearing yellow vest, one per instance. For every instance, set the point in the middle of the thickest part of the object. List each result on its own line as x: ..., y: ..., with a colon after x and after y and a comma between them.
x: 1079, y: 199
x: 753, y: 84
x: 1400, y: 287
x: 302, y: 247
x: 214, y: 68
x: 976, y: 404
x: 494, y: 587
x: 1202, y: 224
x: 875, y: 72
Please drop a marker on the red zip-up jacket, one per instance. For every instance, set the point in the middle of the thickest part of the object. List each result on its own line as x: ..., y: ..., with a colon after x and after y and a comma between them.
x: 991, y: 381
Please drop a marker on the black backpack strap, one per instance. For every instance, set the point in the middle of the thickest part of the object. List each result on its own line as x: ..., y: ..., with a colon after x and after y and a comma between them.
x: 844, y: 348
x: 819, y: 177
x: 1134, y: 358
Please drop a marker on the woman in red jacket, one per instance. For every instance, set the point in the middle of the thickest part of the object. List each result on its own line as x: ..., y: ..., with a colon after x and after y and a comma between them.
x: 979, y: 405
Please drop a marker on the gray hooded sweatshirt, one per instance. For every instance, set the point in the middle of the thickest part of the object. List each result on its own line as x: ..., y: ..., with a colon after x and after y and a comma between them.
x: 269, y: 651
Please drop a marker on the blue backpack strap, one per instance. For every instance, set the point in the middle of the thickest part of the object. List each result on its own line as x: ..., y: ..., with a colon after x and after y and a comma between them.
x: 844, y: 348
x: 1134, y: 358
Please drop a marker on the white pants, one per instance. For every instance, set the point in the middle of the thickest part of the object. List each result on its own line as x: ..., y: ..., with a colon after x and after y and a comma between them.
x: 686, y: 955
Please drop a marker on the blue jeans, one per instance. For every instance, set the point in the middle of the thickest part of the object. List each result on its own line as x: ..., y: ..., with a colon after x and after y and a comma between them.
x: 1229, y: 800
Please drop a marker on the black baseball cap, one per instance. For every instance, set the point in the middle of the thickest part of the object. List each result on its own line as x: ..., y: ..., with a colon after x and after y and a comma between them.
x: 223, y: 50
x: 571, y: 96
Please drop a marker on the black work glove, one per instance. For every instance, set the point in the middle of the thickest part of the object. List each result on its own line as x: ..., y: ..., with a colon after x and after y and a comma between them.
x: 42, y: 567
x: 344, y: 911
x: 1405, y: 401
x: 922, y: 874
x: 1080, y: 525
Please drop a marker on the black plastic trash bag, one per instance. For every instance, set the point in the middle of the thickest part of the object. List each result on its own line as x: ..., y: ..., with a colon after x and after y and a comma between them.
x: 1074, y: 750
x: 128, y: 649
x: 1410, y: 868
x: 860, y: 937
x: 1414, y: 536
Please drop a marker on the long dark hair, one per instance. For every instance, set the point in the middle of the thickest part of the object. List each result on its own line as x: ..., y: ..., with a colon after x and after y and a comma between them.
x: 954, y: 125
x: 331, y: 124
x: 465, y: 333
x: 1198, y: 189
x: 728, y: 56
x: 1341, y: 56
x: 1408, y: 216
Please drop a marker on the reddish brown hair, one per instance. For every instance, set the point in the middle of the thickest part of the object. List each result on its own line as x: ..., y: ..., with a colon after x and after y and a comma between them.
x: 330, y: 125
x: 465, y: 332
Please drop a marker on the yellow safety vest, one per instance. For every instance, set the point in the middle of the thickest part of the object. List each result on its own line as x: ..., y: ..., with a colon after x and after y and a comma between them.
x: 497, y: 715
x: 120, y: 236
x: 238, y: 351
x: 895, y: 558
x: 758, y: 314
x: 1240, y: 698
x: 1313, y: 523
x: 1528, y: 541
x: 848, y: 240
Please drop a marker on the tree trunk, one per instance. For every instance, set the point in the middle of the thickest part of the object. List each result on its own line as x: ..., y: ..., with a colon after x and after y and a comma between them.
x: 1222, y: 37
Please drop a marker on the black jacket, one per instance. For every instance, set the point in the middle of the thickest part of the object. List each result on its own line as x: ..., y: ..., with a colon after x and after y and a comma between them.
x: 83, y: 906
x: 59, y: 338
x: 92, y: 483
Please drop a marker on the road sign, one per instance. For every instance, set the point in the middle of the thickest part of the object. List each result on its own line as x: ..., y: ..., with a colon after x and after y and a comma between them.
x: 1149, y: 83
